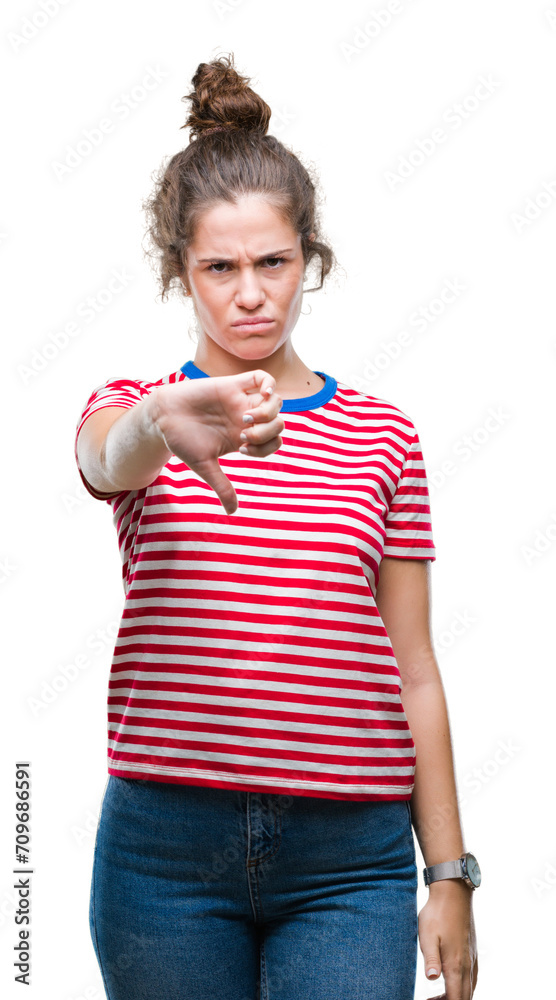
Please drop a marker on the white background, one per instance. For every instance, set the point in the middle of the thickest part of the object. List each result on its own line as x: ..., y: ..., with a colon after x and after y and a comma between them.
x: 477, y: 380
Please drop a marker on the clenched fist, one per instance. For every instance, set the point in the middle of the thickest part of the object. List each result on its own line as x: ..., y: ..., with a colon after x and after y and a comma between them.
x: 202, y: 419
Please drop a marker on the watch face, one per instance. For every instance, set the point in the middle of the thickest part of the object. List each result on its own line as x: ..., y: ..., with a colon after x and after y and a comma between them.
x: 472, y: 869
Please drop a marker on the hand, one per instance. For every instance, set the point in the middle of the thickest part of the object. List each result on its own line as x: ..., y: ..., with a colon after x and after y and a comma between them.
x: 202, y: 419
x: 447, y: 938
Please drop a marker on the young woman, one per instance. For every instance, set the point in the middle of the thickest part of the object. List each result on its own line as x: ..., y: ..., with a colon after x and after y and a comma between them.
x: 264, y: 775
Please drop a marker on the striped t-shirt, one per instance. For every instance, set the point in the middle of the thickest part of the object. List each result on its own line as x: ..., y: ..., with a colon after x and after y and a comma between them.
x: 251, y: 654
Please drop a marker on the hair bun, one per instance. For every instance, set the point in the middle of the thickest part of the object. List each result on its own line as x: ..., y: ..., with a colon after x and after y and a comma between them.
x: 223, y: 99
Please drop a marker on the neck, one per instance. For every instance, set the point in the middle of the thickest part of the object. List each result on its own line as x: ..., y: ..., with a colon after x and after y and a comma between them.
x: 294, y: 379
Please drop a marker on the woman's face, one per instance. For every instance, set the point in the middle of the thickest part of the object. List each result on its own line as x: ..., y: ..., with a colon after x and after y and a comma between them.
x: 246, y: 263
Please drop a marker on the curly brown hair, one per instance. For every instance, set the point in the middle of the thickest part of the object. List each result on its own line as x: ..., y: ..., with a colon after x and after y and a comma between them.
x: 229, y: 155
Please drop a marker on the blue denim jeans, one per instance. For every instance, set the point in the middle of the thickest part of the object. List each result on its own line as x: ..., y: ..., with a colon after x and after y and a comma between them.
x: 215, y: 894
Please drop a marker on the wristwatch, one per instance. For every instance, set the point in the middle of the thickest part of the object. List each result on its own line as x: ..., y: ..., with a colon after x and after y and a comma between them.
x: 466, y: 867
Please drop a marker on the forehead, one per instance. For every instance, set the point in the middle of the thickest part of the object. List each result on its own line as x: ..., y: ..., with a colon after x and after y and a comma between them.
x: 253, y: 223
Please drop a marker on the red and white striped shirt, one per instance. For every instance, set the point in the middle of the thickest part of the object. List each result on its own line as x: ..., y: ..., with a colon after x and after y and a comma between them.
x: 251, y: 654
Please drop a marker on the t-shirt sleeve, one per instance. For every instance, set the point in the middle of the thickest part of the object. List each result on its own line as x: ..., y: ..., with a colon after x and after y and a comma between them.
x: 113, y: 392
x: 408, y: 521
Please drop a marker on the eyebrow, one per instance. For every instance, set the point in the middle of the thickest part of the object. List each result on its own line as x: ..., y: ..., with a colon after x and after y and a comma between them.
x: 230, y: 260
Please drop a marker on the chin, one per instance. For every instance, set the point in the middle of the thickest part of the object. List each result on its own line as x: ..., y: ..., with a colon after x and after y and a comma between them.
x: 259, y: 355
x: 255, y: 347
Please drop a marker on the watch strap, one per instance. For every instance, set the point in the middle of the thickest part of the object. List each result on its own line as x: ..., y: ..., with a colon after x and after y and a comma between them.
x: 446, y: 869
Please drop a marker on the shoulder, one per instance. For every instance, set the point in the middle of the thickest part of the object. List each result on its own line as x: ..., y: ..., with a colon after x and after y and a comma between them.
x: 132, y: 387
x: 375, y: 411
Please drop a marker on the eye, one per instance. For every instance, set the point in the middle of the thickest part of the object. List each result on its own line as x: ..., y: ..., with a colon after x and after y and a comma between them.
x: 222, y: 263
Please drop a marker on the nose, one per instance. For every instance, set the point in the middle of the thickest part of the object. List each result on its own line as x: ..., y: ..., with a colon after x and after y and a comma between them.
x: 249, y: 292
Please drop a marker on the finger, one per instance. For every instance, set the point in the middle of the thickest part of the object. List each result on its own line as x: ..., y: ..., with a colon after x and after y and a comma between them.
x: 433, y: 965
x: 261, y: 450
x: 257, y: 381
x: 472, y: 979
x: 257, y: 434
x: 264, y: 409
x: 456, y: 983
x: 212, y: 474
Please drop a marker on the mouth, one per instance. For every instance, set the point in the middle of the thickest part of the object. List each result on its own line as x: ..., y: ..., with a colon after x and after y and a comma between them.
x: 253, y: 326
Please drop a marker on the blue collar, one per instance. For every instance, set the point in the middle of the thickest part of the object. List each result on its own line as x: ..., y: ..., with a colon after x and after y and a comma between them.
x: 288, y: 405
